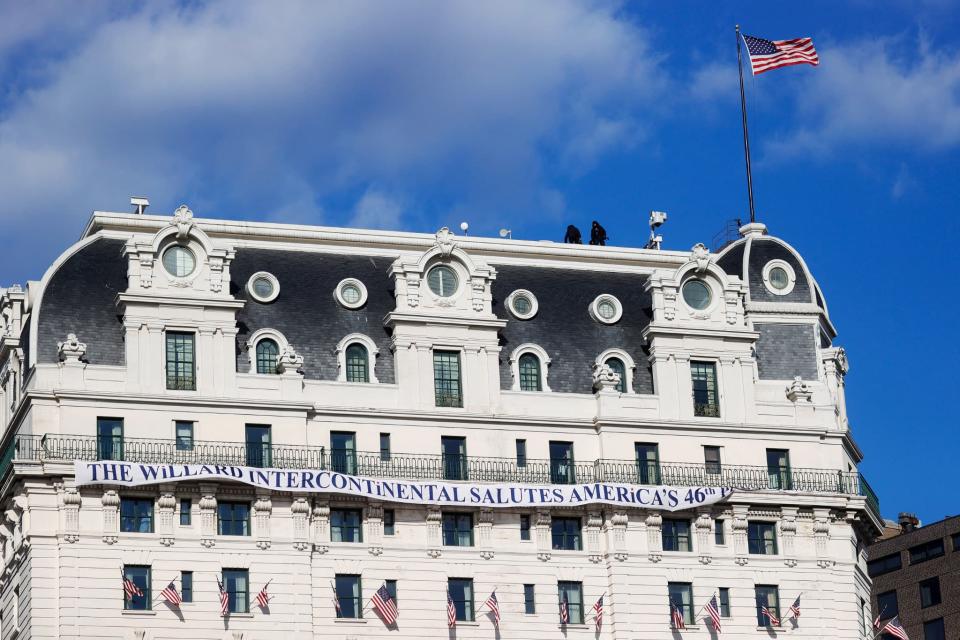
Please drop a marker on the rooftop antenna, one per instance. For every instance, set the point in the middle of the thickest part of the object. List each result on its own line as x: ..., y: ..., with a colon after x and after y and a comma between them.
x: 464, y: 227
x: 506, y: 233
x: 140, y: 203
x: 657, y: 218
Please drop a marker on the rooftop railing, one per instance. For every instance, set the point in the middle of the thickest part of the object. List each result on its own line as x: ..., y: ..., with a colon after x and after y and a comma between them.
x: 418, y: 466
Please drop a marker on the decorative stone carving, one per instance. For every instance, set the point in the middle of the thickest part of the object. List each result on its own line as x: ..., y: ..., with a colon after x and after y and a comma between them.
x: 434, y: 540
x: 71, y: 350
x: 731, y: 302
x: 605, y: 379
x: 799, y: 391
x: 544, y: 541
x: 701, y: 255
x: 619, y: 523
x: 262, y: 509
x: 654, y: 536
x: 300, y: 512
x: 208, y: 516
x: 413, y: 290
x: 485, y: 530
x: 216, y: 264
x: 704, y: 526
x: 821, y: 537
x: 739, y: 527
x: 375, y: 529
x: 788, y: 533
x: 71, y: 515
x: 111, y: 516
x: 594, y: 551
x: 289, y: 361
x: 478, y: 287
x: 445, y: 241
x: 321, y: 527
x: 146, y: 269
x: 183, y: 220
x: 166, y: 503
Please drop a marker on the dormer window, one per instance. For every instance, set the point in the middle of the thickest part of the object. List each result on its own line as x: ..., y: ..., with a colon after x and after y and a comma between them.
x: 530, y: 373
x: 263, y: 287
x: 351, y: 293
x: 179, y: 261
x: 358, y: 369
x: 697, y: 294
x: 616, y: 365
x: 267, y: 353
x: 443, y: 281
x: 606, y: 309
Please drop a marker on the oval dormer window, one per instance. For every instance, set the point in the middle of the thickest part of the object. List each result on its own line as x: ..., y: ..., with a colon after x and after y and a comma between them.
x: 779, y: 278
x: 696, y: 294
x: 443, y: 281
x: 179, y: 261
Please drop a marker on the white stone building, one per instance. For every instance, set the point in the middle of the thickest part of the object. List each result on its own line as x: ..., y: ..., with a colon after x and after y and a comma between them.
x: 425, y: 357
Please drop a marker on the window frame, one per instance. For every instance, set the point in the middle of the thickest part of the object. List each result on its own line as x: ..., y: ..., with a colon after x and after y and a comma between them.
x: 186, y: 441
x: 451, y: 528
x: 529, y: 599
x: 709, y: 408
x: 229, y: 577
x: 115, y: 441
x: 557, y: 464
x: 145, y: 584
x: 757, y: 542
x: 934, y: 595
x: 510, y: 303
x: 258, y: 451
x: 188, y: 512
x: 389, y: 522
x: 467, y: 604
x: 712, y: 467
x: 685, y: 603
x: 343, y: 459
x: 357, y: 368
x: 677, y: 535
x: 175, y: 368
x: 530, y: 372
x: 345, y: 526
x: 542, y: 381
x: 521, y: 445
x: 186, y: 586
x: 569, y: 540
x: 252, y: 290
x: 454, y: 465
x: 574, y: 607
x: 594, y: 309
x: 232, y: 506
x: 525, y: 528
x: 935, y: 625
x: 266, y: 363
x: 342, y: 301
x: 386, y: 451
x: 355, y: 600
x: 137, y: 518
x: 723, y: 598
x: 885, y: 564
x: 884, y: 608
x: 767, y: 590
x: 781, y: 475
x: 926, y: 551
x: 644, y: 467
x: 719, y: 532
x: 440, y: 267
x: 447, y: 378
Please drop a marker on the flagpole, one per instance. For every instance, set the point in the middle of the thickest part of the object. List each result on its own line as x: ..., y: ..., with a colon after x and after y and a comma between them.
x: 746, y: 135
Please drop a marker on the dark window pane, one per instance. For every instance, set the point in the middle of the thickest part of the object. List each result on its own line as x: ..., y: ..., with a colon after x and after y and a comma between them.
x: 185, y: 508
x: 236, y: 582
x: 267, y: 353
x: 140, y: 576
x: 724, y: 602
x: 711, y: 460
x: 769, y: 596
x: 762, y: 538
x: 930, y: 592
x: 392, y: 590
x: 446, y: 379
x: 574, y: 599
x: 109, y: 439
x: 357, y: 363
x: 389, y: 522
x: 454, y: 451
x: 885, y: 564
x: 676, y: 535
x: 524, y: 527
x: 233, y: 519
x: 681, y: 594
x: 529, y: 366
x: 561, y: 463
x: 616, y: 365
x: 706, y: 401
x: 926, y: 551
x: 343, y: 452
x: 778, y: 469
x: 458, y: 529
x: 346, y: 525
x: 259, y: 449
x: 186, y: 586
x: 184, y: 435
x: 529, y: 600
x: 566, y: 534
x: 887, y: 605
x: 136, y: 515
x: 718, y: 533
x: 521, y: 453
x: 461, y: 592
x: 933, y: 630
x: 180, y: 361
x: 385, y: 447
x: 349, y: 596
x: 648, y: 462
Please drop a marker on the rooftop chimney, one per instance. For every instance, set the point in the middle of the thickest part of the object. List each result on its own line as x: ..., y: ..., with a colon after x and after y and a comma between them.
x: 753, y: 229
x: 908, y: 522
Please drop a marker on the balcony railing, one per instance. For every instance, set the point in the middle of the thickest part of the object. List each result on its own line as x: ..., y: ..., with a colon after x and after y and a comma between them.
x: 438, y: 467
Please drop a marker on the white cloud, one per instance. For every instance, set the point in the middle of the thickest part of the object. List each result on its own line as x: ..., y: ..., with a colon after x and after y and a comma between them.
x: 253, y: 108
x: 376, y: 210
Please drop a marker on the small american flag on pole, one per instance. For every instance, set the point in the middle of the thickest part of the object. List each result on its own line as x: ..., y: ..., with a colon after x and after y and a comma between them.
x: 564, y: 610
x: 771, y: 617
x: 894, y: 628
x: 451, y: 611
x: 598, y: 613
x: 385, y: 605
x: 224, y: 599
x: 767, y: 55
x: 876, y: 621
x: 170, y: 595
x: 494, y: 606
x: 130, y: 589
x: 714, y: 610
x: 676, y: 615
x: 336, y: 600
x: 263, y: 599
x: 795, y: 608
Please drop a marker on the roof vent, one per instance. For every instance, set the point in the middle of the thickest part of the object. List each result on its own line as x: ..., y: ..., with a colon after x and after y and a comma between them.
x: 140, y: 203
x: 753, y: 229
x: 908, y: 522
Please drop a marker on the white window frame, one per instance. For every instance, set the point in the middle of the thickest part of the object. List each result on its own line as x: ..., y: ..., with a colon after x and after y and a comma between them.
x: 594, y: 309
x: 338, y: 293
x: 267, y: 276
x: 372, y: 353
x: 628, y: 364
x: 791, y: 277
x: 534, y: 305
x: 538, y: 351
x: 261, y: 334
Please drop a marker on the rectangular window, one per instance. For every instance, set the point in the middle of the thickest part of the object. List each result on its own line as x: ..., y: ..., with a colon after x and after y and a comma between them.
x: 676, y: 535
x: 180, y: 361
x: 929, y: 592
x: 136, y: 515
x: 529, y: 600
x: 521, y: 453
x: 648, y: 462
x: 778, y: 469
x: 389, y: 522
x: 343, y: 452
x: 186, y: 586
x: 454, y: 452
x: 458, y: 529
x: 349, y: 595
x: 140, y: 576
x: 862, y: 618
x: 956, y: 541
x: 233, y: 519
x: 461, y: 592
x: 236, y: 582
x: 711, y: 460
x: 524, y: 527
x: 185, y: 511
x: 184, y: 434
x: 933, y: 630
x: 926, y: 551
x: 887, y: 605
x: 566, y: 534
x: 392, y: 590
x: 384, y: 447
x: 719, y: 537
x: 706, y: 399
x: 561, y: 463
x: 346, y: 525
x: 724, y: 602
x: 762, y: 538
x: 884, y: 564
x: 681, y: 594
x: 109, y: 438
x: 767, y: 596
x: 259, y: 448
x: 572, y: 594
x: 447, y: 387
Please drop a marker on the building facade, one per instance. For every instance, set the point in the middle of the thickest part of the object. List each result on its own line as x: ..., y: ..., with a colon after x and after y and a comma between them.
x: 916, y: 575
x: 424, y: 357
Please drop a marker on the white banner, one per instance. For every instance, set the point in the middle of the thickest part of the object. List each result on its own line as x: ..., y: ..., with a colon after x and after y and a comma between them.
x: 464, y: 494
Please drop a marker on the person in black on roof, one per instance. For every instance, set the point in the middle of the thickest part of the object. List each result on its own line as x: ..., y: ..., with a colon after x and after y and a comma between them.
x: 598, y: 235
x: 573, y: 235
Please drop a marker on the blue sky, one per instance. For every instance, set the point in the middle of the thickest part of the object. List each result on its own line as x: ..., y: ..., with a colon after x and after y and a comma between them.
x: 531, y: 116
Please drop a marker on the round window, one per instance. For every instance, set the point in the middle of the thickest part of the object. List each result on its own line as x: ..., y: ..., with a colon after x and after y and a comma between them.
x: 443, y: 281
x: 521, y: 304
x: 263, y: 287
x: 179, y: 261
x: 779, y: 278
x: 351, y: 293
x: 606, y: 309
x: 696, y: 294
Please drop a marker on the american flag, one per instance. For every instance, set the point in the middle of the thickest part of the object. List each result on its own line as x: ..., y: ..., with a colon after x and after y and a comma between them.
x: 677, y: 616
x: 263, y: 599
x: 876, y: 622
x: 494, y: 605
x: 767, y: 55
x: 224, y: 599
x: 451, y: 611
x: 795, y: 608
x: 771, y: 617
x: 336, y: 600
x: 129, y: 588
x: 894, y: 628
x: 564, y: 610
x: 170, y: 595
x: 714, y: 610
x: 385, y: 605
x: 598, y: 612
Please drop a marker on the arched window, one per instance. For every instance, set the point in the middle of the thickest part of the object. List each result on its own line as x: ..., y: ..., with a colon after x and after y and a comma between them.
x: 530, y: 373
x: 616, y: 365
x: 267, y: 352
x: 358, y: 369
